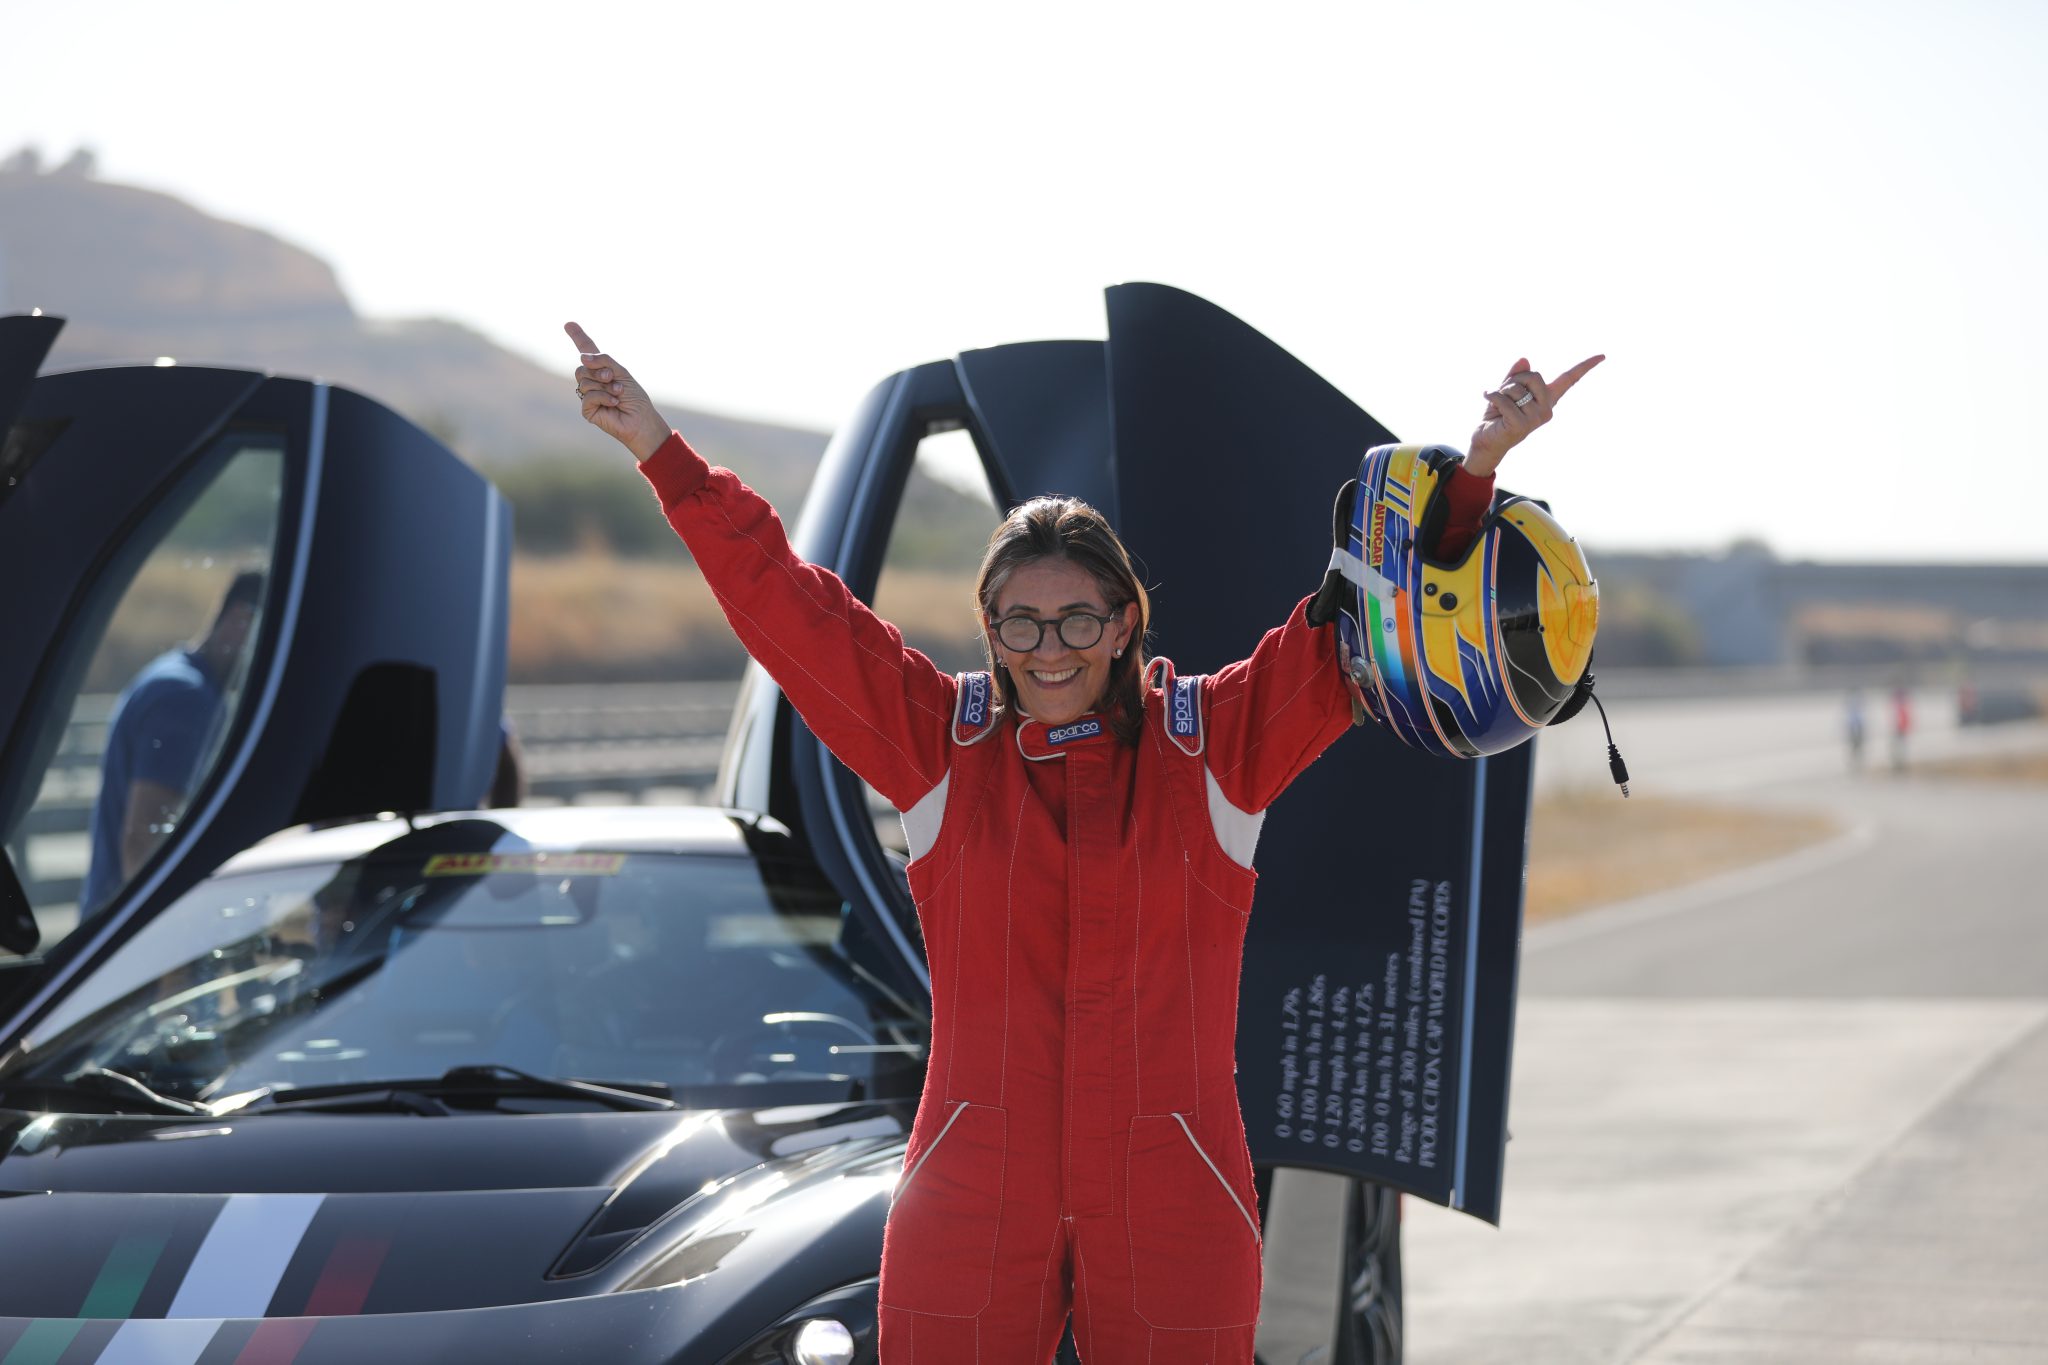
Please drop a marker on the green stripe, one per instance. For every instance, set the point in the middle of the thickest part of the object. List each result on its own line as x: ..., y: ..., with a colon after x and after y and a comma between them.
x: 43, y: 1342
x: 126, y: 1271
x: 1376, y: 634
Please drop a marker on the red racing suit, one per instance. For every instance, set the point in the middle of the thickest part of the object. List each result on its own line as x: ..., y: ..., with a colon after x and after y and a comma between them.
x: 1078, y: 1145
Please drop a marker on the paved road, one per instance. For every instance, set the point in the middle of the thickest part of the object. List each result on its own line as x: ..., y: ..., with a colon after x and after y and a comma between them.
x: 1743, y: 745
x: 1797, y: 1114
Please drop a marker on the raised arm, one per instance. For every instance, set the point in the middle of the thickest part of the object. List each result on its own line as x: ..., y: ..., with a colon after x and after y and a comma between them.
x: 877, y: 704
x: 1270, y: 715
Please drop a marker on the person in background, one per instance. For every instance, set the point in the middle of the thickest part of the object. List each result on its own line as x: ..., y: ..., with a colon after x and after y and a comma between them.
x: 508, y: 780
x: 1854, y: 727
x: 1902, y: 725
x: 163, y: 726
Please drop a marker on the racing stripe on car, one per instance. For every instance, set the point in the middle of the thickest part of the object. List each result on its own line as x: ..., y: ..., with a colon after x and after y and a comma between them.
x: 238, y: 1266
x: 42, y: 1342
x: 346, y: 1278
x: 233, y: 1273
x: 276, y: 1341
x: 123, y: 1274
x: 160, y: 1341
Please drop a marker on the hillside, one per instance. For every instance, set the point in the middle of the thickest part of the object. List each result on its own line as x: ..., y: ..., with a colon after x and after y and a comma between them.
x: 139, y: 274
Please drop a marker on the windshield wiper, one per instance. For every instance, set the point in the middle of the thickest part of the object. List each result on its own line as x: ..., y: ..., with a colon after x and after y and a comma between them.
x: 122, y: 1093
x: 423, y: 1096
x: 509, y: 1080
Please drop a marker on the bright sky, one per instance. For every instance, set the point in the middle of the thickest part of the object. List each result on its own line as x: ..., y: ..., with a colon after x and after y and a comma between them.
x: 1809, y: 236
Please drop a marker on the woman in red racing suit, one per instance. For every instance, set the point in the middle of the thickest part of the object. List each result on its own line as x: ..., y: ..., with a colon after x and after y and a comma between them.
x: 1081, y: 826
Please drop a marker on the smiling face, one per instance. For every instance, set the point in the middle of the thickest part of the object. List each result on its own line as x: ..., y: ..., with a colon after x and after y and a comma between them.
x: 1055, y: 682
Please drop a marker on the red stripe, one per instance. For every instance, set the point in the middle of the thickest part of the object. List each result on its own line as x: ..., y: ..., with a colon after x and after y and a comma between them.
x: 276, y: 1341
x: 346, y: 1278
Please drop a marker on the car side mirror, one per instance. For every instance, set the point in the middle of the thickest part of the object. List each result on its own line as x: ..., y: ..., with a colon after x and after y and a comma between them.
x: 19, y: 932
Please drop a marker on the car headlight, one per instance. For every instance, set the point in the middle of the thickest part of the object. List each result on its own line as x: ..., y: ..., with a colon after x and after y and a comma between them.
x: 822, y: 1341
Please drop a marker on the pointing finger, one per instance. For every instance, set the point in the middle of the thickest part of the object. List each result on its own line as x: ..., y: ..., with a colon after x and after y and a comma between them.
x: 1563, y: 382
x: 580, y: 337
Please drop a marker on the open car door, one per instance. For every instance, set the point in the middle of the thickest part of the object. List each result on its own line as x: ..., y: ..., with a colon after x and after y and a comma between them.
x: 229, y: 603
x: 1378, y: 1000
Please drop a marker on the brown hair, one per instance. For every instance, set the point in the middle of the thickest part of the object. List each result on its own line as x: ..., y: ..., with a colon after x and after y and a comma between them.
x: 1069, y: 529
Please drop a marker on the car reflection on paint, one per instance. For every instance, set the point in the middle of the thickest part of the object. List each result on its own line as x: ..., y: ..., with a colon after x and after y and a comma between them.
x: 541, y: 1070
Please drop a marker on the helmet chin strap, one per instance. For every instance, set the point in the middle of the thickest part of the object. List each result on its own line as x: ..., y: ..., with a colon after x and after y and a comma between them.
x: 1329, y: 599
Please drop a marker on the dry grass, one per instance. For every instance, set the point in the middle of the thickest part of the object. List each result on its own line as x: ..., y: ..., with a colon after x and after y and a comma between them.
x: 1998, y: 767
x: 593, y: 617
x: 590, y: 616
x: 1593, y: 849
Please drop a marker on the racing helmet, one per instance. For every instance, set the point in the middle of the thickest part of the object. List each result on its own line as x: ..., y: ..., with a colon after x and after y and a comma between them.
x: 1463, y: 657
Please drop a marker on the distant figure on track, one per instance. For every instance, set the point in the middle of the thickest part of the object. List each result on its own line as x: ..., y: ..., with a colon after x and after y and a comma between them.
x: 1854, y: 728
x: 1902, y: 726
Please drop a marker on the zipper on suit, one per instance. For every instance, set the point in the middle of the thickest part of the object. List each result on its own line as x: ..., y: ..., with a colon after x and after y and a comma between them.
x: 952, y: 1119
x: 1231, y: 1194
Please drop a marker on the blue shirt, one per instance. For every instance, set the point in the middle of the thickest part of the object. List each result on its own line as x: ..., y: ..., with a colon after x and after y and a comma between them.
x: 160, y: 730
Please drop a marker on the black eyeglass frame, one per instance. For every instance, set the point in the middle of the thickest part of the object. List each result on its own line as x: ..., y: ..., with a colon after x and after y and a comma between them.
x: 1001, y: 627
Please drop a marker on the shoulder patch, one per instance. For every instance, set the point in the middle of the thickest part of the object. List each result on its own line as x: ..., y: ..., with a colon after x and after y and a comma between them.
x: 974, y: 709
x: 1182, y: 712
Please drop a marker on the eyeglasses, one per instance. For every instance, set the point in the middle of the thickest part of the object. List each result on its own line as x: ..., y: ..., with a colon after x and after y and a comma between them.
x: 1078, y: 630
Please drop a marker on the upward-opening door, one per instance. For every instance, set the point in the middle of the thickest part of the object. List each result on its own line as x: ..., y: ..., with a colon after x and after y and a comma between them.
x: 228, y: 603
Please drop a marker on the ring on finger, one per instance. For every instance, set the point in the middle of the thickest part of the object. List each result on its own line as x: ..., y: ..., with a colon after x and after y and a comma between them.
x: 1525, y: 400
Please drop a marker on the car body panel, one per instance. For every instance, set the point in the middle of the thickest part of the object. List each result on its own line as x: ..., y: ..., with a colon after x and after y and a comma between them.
x: 469, y: 1212
x: 674, y: 1324
x: 316, y: 1218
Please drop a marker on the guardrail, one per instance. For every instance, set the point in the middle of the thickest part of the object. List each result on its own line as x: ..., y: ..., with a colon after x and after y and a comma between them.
x: 639, y: 741
x: 661, y: 742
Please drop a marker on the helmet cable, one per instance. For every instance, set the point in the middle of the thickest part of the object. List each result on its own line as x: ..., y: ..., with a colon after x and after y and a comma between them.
x: 1617, y: 768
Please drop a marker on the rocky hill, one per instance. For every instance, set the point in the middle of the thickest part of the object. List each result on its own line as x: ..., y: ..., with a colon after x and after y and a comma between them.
x: 139, y: 274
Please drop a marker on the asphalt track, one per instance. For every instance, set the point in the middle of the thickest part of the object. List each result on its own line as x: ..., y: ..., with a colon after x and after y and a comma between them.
x: 1798, y: 1113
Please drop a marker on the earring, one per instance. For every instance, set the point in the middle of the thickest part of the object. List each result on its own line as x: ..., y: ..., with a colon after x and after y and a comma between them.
x: 1119, y: 653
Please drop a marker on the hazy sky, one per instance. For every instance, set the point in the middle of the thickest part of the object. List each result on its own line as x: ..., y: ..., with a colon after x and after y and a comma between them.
x: 1810, y: 237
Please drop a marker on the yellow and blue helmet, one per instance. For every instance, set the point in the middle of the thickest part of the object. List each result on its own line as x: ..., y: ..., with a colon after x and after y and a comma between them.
x: 1463, y: 657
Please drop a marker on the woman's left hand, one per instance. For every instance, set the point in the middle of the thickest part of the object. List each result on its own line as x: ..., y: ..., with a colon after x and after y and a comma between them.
x: 1521, y: 404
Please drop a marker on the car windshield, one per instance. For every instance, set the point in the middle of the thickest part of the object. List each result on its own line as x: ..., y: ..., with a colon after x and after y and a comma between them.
x: 715, y: 976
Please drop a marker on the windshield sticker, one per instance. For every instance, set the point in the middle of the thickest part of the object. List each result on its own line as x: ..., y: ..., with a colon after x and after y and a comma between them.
x: 771, y: 931
x: 537, y: 864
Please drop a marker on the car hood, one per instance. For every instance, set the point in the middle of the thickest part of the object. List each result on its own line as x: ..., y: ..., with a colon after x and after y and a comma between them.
x: 329, y: 1216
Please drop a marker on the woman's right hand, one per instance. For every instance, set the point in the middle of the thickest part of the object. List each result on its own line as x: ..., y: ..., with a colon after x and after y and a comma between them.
x: 613, y: 401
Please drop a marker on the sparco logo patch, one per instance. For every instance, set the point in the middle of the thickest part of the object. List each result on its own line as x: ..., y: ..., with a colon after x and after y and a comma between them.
x: 974, y: 706
x: 1080, y: 729
x: 1184, y: 706
x: 1379, y: 534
